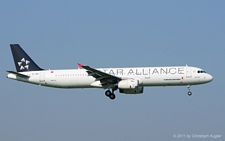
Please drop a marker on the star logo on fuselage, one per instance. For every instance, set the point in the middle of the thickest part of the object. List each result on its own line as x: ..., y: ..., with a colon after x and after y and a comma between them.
x: 24, y: 64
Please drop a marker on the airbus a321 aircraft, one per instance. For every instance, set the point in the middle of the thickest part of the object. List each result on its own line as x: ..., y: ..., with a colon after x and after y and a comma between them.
x: 126, y: 80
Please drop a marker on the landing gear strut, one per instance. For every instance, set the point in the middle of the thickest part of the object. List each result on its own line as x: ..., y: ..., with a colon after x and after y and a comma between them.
x: 189, y: 90
x: 110, y: 94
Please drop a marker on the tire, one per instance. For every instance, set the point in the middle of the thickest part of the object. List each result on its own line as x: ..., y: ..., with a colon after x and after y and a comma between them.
x: 112, y: 96
x: 108, y: 93
x: 189, y: 93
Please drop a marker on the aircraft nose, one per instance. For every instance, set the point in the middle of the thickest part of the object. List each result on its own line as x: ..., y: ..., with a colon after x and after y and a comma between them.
x: 209, y: 77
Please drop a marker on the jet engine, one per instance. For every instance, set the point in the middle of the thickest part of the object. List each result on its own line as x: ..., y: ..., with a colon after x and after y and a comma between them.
x: 130, y: 86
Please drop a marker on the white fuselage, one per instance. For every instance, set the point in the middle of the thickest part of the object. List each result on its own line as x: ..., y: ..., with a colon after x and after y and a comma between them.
x: 148, y: 76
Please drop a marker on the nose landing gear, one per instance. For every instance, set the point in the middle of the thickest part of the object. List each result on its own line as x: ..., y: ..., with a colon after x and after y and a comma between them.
x: 189, y: 90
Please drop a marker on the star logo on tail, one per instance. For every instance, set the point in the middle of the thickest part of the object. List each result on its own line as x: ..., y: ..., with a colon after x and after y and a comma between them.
x: 24, y: 64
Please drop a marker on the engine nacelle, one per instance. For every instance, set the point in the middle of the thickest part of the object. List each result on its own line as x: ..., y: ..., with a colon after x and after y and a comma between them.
x: 137, y: 90
x: 128, y: 84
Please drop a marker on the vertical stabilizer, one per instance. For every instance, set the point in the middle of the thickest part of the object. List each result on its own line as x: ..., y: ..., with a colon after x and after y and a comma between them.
x: 22, y: 61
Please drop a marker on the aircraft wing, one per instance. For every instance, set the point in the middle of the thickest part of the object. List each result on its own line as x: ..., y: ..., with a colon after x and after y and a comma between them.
x: 105, y: 78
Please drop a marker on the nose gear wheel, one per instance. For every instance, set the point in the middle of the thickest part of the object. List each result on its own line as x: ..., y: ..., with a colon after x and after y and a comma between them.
x: 189, y: 90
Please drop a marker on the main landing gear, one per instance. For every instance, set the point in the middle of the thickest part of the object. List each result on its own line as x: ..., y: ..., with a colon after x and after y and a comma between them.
x: 110, y: 94
x: 189, y: 90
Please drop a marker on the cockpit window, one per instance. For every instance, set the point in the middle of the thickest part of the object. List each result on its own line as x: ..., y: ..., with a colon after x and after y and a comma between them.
x: 201, y: 71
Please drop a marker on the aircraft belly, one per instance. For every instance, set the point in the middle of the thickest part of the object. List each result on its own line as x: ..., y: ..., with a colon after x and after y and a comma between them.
x: 85, y: 82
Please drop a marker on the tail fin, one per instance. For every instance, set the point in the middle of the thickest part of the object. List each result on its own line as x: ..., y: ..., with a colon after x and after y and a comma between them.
x: 22, y: 61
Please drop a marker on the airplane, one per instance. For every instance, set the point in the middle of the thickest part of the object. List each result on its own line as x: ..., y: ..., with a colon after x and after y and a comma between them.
x: 126, y: 80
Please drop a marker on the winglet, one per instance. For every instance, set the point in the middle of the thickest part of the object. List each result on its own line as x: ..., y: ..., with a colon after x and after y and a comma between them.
x: 80, y: 66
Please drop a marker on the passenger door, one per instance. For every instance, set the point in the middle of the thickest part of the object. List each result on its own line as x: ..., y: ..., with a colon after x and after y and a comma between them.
x: 188, y: 72
x: 42, y: 77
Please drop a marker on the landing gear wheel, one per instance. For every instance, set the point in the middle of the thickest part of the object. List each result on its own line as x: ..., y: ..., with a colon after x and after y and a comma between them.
x: 189, y: 90
x: 112, y: 96
x: 108, y: 93
x: 189, y: 93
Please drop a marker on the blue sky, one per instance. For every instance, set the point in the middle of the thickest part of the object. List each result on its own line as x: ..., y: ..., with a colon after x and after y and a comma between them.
x: 59, y: 34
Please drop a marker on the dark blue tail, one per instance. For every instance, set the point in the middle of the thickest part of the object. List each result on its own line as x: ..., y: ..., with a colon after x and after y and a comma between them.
x: 22, y: 61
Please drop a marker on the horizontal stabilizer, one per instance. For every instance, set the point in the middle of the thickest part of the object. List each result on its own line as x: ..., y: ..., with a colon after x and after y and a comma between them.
x: 19, y: 74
